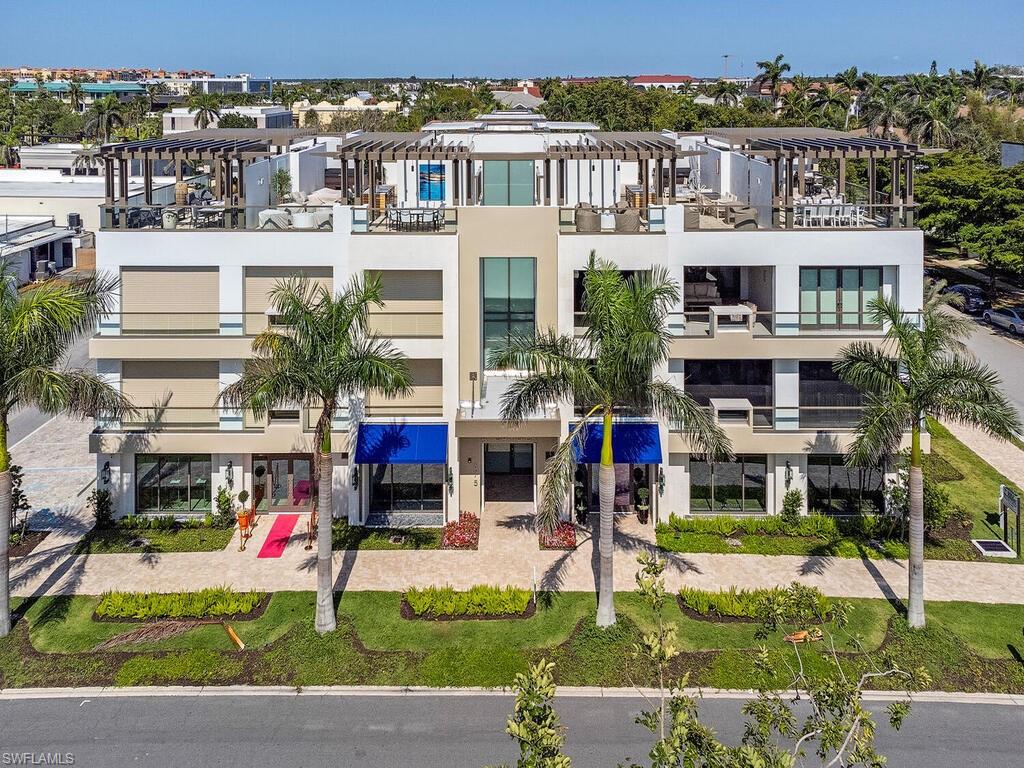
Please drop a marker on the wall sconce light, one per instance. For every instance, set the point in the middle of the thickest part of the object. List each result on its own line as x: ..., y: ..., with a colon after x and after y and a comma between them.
x: 789, y: 474
x: 229, y: 474
x: 661, y: 482
x: 105, y: 473
x: 355, y: 478
x: 451, y: 481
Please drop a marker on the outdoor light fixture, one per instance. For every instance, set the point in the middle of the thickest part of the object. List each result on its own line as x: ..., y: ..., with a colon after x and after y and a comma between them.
x: 105, y: 473
x: 451, y: 482
x: 355, y: 478
x: 229, y: 474
x: 661, y: 482
x: 789, y: 474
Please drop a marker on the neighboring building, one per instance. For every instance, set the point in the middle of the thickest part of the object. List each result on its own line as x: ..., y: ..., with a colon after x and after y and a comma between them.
x: 325, y: 110
x: 526, y: 98
x: 90, y: 91
x: 1010, y: 153
x: 181, y: 119
x: 477, y: 232
x: 666, y: 82
x: 182, y: 83
x: 35, y: 245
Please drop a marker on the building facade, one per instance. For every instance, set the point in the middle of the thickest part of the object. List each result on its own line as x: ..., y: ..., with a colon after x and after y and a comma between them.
x: 479, y: 230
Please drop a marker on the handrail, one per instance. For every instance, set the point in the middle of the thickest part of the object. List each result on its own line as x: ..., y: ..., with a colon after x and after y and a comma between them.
x: 387, y: 323
x: 405, y: 220
x: 713, y: 215
x: 629, y: 220
x: 286, y: 217
x: 770, y: 323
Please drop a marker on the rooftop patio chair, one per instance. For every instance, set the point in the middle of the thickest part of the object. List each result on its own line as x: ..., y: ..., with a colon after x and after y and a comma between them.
x: 627, y: 220
x: 587, y: 219
x: 405, y: 220
x: 391, y: 219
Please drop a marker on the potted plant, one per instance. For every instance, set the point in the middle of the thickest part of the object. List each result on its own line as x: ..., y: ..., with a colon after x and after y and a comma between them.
x: 643, y: 507
x: 580, y: 503
x: 244, y: 520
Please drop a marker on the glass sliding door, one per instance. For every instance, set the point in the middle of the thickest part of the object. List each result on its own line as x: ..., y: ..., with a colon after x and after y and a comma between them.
x: 509, y: 182
x: 495, y: 182
x: 841, y: 297
x: 850, y: 298
x: 729, y: 487
x: 508, y: 302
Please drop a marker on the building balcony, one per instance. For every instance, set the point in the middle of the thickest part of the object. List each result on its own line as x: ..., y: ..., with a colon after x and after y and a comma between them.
x: 486, y: 405
x: 718, y: 215
x: 405, y: 221
x: 217, y: 217
x: 622, y: 220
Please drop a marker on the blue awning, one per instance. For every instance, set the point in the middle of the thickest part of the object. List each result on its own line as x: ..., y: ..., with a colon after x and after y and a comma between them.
x: 633, y: 442
x: 402, y: 444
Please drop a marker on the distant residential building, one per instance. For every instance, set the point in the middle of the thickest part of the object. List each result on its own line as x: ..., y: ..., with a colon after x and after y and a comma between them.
x: 35, y: 245
x: 523, y: 98
x: 666, y: 82
x: 99, y: 75
x: 273, y: 116
x: 325, y: 110
x: 90, y: 91
x: 182, y: 83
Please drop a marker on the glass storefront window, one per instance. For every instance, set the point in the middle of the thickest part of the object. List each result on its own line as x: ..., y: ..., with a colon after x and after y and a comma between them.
x: 729, y: 487
x: 836, y: 489
x: 406, y: 487
x: 173, y: 483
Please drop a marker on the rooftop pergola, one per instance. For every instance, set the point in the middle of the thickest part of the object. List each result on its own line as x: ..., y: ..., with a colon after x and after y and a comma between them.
x: 369, y: 150
x: 791, y: 150
x: 226, y: 151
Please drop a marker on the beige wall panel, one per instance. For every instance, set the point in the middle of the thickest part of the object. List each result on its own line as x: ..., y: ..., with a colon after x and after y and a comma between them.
x: 260, y: 281
x: 168, y: 299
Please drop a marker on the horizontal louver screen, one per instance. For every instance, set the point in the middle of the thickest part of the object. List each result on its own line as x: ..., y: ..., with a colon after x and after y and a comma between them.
x: 165, y: 299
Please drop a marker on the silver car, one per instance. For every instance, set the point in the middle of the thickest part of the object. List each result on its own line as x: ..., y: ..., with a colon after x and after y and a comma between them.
x: 1010, y: 318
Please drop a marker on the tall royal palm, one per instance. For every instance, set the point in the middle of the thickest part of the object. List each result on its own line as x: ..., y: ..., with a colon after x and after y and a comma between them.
x: 608, y: 372
x: 771, y: 72
x: 324, y: 355
x: 104, y: 116
x: 37, y: 328
x: 883, y: 111
x: 920, y: 370
x: 205, y: 107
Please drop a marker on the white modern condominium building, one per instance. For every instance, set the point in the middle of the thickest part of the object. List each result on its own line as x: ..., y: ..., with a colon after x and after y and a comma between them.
x: 478, y: 230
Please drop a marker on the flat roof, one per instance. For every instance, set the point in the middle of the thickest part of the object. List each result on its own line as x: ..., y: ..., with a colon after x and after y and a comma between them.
x: 83, y: 186
x: 14, y: 222
x: 808, y: 142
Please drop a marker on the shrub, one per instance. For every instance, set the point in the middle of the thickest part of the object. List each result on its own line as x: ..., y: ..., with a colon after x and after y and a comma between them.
x: 100, y: 503
x: 480, y: 600
x: 562, y: 537
x: 819, y: 526
x: 215, y: 601
x: 463, y: 533
x: 225, y: 505
x: 792, y: 506
x: 796, y: 604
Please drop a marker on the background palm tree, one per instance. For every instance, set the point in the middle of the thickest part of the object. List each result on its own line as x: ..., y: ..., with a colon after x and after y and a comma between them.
x: 849, y: 78
x: 76, y: 95
x: 1014, y: 88
x: 325, y: 357
x: 206, y: 108
x: 608, y: 372
x: 103, y: 116
x: 920, y: 370
x: 883, y: 112
x: 795, y: 107
x: 37, y: 328
x: 834, y: 104
x: 772, y: 72
x: 726, y: 93
x: 918, y: 88
x: 979, y: 77
x: 936, y: 123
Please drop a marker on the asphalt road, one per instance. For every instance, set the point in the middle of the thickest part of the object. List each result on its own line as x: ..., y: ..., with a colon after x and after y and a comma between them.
x: 1004, y: 353
x: 427, y: 730
x: 25, y: 421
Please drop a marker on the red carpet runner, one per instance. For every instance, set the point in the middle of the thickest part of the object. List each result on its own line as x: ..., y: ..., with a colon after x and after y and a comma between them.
x: 278, y: 537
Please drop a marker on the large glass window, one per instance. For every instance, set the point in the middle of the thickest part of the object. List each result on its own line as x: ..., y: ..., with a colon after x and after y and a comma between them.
x: 838, y: 297
x: 173, y: 483
x: 406, y: 487
x: 825, y: 399
x: 508, y: 182
x: 508, y: 301
x: 729, y: 487
x: 836, y: 489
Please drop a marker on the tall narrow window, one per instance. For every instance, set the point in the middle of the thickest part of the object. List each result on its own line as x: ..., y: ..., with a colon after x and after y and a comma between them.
x: 508, y: 301
x: 833, y: 297
x: 509, y: 182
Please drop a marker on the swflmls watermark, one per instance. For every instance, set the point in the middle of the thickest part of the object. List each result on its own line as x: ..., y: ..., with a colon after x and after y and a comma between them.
x: 37, y: 758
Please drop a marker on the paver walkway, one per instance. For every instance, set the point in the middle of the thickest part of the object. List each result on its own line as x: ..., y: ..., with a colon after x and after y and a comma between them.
x: 1006, y: 457
x: 508, y: 554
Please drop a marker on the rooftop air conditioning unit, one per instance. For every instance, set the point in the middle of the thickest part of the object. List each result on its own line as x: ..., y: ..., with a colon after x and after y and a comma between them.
x: 75, y: 221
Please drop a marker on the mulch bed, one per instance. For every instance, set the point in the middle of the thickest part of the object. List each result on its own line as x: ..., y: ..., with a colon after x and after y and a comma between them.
x: 713, y: 618
x: 408, y: 613
x: 30, y: 541
x: 255, y: 613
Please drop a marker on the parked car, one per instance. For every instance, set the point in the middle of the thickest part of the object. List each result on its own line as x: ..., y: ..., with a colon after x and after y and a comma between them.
x: 1010, y: 318
x: 975, y: 301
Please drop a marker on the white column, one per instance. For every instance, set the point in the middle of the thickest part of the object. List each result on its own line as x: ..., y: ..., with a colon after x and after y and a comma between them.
x: 676, y: 500
x: 798, y: 478
x: 231, y: 420
x: 232, y: 282
x: 787, y: 299
x: 787, y: 394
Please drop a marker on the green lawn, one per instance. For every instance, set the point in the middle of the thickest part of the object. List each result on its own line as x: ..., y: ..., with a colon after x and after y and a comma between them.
x: 345, y: 536
x: 116, y: 541
x: 966, y: 646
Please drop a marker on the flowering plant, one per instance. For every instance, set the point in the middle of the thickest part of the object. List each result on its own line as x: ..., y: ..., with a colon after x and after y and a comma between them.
x: 463, y: 533
x: 563, y: 537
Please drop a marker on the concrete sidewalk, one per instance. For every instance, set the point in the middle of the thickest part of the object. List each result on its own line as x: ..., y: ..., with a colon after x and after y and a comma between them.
x: 1004, y: 456
x: 508, y: 554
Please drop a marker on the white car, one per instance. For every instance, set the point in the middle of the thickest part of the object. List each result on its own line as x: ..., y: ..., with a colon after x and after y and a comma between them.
x: 1010, y: 318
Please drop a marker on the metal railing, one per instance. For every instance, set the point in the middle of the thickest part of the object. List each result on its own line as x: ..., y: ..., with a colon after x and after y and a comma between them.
x: 147, y: 324
x: 768, y: 323
x: 621, y: 221
x: 784, y: 418
x: 217, y: 217
x: 205, y: 418
x: 398, y: 219
x: 719, y: 215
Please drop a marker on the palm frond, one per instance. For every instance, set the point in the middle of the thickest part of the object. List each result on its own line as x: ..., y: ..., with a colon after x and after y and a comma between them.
x: 559, y: 477
x: 880, y: 429
x: 964, y: 390
x: 868, y: 368
x: 75, y: 392
x: 706, y: 437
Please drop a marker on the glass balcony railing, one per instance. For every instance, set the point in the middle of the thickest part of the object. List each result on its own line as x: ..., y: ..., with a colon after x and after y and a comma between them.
x: 716, y: 215
x: 623, y: 221
x: 216, y: 217
x: 766, y: 323
x: 394, y: 325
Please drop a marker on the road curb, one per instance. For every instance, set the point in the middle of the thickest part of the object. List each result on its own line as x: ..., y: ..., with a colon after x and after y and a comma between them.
x: 15, y: 694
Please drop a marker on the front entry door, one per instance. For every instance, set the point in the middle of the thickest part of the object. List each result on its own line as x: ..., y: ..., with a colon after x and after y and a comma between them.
x: 282, y: 483
x: 508, y: 472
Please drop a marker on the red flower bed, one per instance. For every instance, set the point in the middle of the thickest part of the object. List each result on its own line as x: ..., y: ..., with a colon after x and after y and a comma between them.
x: 563, y: 537
x: 463, y: 533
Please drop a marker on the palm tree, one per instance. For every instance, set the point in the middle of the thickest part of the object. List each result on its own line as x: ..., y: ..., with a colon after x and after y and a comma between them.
x: 772, y: 72
x: 979, y: 78
x: 883, y: 112
x: 85, y: 158
x: 37, y: 329
x: 936, y: 123
x: 325, y: 357
x: 206, y: 107
x: 609, y: 372
x: 76, y: 95
x: 726, y: 93
x: 918, y: 88
x: 832, y: 101
x: 922, y: 369
x: 1014, y: 87
x: 795, y: 107
x: 558, y: 105
x: 103, y: 116
x: 849, y: 78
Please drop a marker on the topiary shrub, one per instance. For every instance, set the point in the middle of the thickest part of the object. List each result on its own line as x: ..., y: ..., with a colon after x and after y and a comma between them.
x: 102, y: 507
x: 792, y: 506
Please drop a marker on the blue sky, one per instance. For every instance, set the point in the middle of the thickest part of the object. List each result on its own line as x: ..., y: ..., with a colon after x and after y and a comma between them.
x: 312, y: 38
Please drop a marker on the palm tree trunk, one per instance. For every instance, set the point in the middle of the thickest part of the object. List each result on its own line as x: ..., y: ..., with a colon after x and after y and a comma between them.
x: 325, y: 614
x: 915, y: 599
x: 606, y: 494
x: 5, y: 530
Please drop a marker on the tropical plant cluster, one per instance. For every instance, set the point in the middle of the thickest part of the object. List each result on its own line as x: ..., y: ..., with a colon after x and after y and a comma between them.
x: 793, y: 605
x: 479, y: 600
x: 463, y: 533
x: 817, y: 526
x: 562, y: 536
x: 206, y: 603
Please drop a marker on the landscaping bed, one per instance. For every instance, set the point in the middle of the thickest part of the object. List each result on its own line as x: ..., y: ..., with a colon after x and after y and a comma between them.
x: 966, y: 646
x: 481, y: 602
x: 147, y: 535
x: 213, y: 603
x: 23, y: 544
x: 463, y: 533
x: 355, y: 537
x: 563, y: 537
